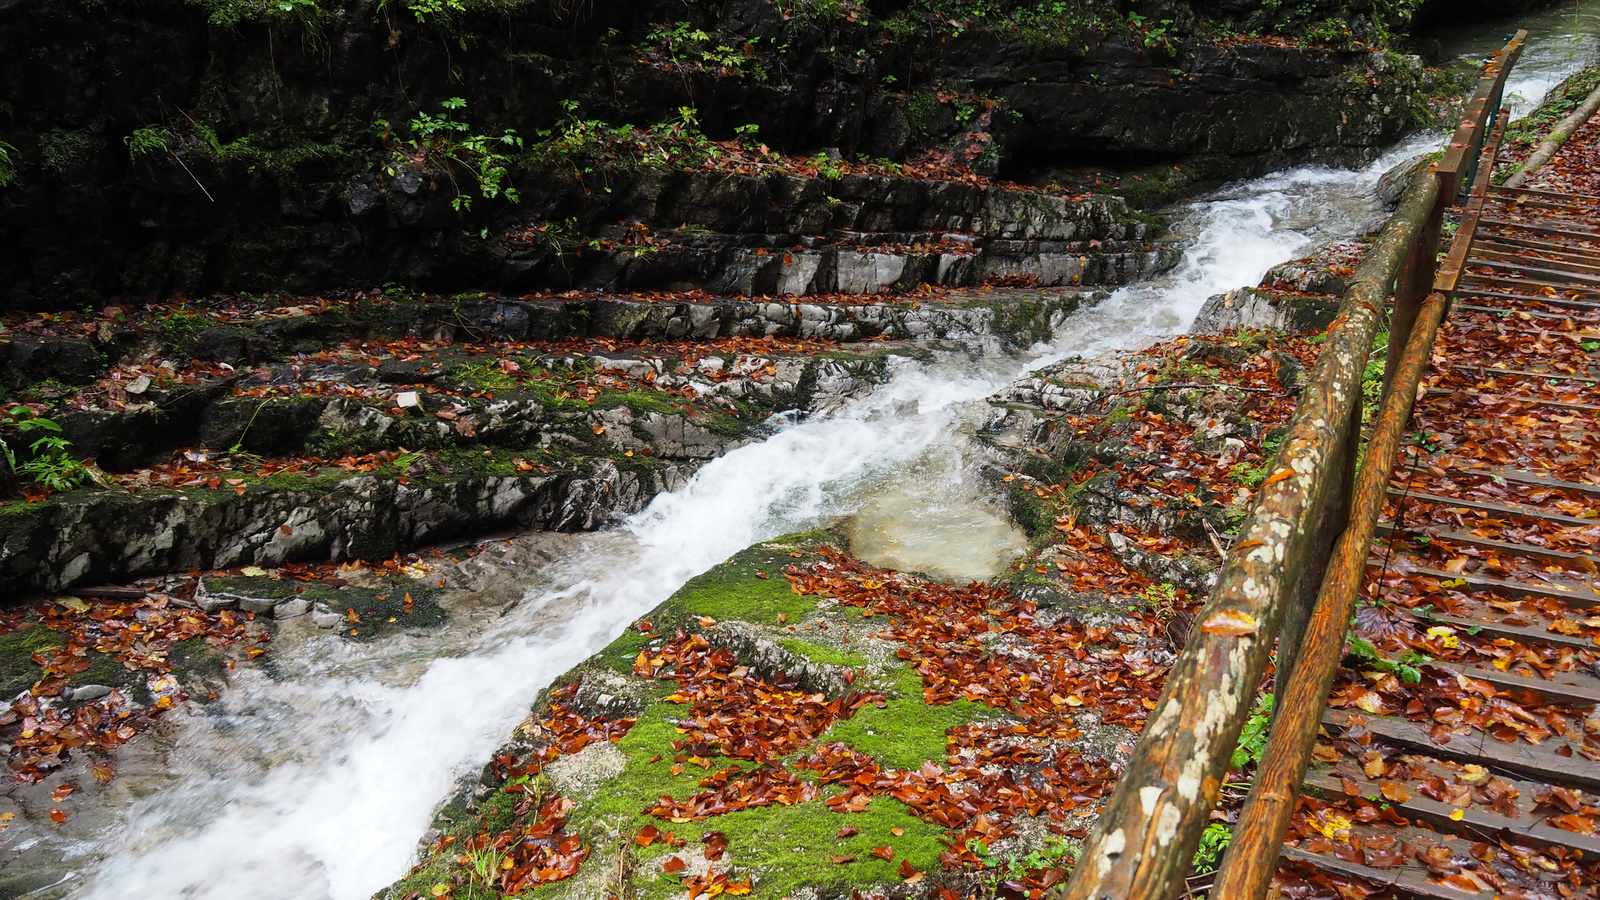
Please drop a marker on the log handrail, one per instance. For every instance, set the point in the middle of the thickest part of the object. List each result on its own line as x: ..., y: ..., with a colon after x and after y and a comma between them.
x: 1143, y: 844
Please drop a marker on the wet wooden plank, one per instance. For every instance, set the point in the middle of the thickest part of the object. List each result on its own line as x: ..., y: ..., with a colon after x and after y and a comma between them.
x: 1508, y: 321
x: 1554, y: 376
x: 1548, y: 202
x: 1471, y: 540
x: 1518, y: 476
x: 1473, y: 822
x: 1488, y: 506
x: 1523, y: 477
x: 1407, y: 881
x: 1488, y: 255
x: 1506, y: 244
x: 1560, y: 229
x: 1579, y: 595
x: 1504, y: 314
x: 1500, y: 189
x: 1541, y: 761
x: 1529, y: 269
x: 1523, y: 634
x: 1529, y: 401
x: 1579, y: 426
x: 1585, y: 306
x: 1515, y: 278
x: 1566, y: 688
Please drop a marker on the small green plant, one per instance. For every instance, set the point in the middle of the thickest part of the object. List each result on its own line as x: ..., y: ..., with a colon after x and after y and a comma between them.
x: 1372, y: 378
x: 486, y: 378
x: 1054, y: 853
x: 441, y: 144
x: 591, y: 146
x: 148, y: 141
x: 1162, y: 599
x: 827, y: 167
x: 1213, y: 841
x: 305, y: 14
x: 485, y: 866
x: 747, y: 138
x: 1406, y: 668
x: 8, y: 166
x: 52, y: 465
x: 1248, y: 475
x: 181, y: 327
x: 1253, y: 739
x: 1188, y: 372
x: 689, y: 48
x: 426, y: 9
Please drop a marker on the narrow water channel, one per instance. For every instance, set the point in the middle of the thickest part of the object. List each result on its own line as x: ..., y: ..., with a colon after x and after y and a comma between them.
x: 318, y: 782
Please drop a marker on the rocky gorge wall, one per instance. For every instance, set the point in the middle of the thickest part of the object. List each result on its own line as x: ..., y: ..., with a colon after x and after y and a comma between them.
x: 304, y: 145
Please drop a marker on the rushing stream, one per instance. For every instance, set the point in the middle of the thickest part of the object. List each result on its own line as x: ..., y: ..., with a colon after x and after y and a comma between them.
x: 318, y: 783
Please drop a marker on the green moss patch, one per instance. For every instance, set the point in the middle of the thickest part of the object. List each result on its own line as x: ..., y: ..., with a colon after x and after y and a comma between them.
x: 907, y: 732
x: 783, y: 848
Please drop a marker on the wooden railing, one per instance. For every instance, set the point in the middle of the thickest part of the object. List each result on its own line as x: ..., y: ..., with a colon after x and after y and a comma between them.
x: 1293, y: 575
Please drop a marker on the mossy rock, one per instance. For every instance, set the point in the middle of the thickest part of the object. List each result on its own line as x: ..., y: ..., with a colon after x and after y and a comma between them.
x: 783, y: 848
x: 18, y: 671
x: 398, y: 603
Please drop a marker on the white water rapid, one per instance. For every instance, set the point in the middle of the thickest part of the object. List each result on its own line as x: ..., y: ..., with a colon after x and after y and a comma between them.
x: 316, y: 783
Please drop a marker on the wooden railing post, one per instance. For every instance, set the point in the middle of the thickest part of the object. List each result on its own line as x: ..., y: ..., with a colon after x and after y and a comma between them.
x: 1252, y: 857
x: 1142, y: 845
x: 1415, y: 281
x: 1144, y: 841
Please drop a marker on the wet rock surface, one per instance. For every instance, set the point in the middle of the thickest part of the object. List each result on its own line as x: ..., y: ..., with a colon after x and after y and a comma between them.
x: 280, y: 176
x: 232, y: 435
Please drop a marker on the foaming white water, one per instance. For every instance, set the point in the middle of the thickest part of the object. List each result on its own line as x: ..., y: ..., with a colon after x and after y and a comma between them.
x: 1231, y: 237
x: 318, y: 784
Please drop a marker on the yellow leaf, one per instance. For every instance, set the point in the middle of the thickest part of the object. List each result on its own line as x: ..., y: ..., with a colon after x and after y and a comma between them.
x: 1230, y: 623
x: 1457, y: 815
x: 1334, y: 826
x: 253, y: 571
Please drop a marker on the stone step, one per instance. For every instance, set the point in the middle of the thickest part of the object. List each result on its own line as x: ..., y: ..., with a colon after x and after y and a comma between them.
x: 642, y: 402
x: 86, y: 350
x: 755, y: 265
x: 782, y: 203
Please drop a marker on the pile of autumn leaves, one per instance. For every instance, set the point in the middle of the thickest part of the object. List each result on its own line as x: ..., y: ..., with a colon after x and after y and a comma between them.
x: 44, y: 728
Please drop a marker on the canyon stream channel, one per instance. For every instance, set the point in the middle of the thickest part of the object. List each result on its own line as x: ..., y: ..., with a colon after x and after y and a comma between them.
x: 316, y: 780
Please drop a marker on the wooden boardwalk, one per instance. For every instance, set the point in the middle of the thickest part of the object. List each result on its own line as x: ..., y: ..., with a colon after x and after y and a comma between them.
x: 1461, y: 756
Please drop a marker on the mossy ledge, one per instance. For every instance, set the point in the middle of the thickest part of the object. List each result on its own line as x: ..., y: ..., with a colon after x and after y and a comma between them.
x: 95, y: 536
x: 812, y: 844
x: 786, y: 850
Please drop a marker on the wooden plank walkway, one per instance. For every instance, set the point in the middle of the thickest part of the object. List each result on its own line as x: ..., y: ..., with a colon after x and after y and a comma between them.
x: 1482, y: 776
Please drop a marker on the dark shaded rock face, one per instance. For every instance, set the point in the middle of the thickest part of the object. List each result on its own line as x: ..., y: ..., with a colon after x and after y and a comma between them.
x: 113, y: 535
x: 271, y: 171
